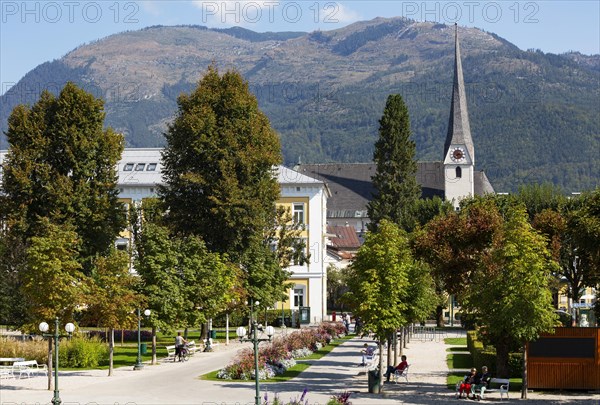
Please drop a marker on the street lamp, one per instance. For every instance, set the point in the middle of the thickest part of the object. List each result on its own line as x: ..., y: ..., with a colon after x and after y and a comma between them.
x: 139, y: 365
x: 241, y: 333
x: 44, y: 328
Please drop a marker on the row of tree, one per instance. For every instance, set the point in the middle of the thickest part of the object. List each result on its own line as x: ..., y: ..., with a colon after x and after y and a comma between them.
x: 502, y: 257
x: 204, y: 246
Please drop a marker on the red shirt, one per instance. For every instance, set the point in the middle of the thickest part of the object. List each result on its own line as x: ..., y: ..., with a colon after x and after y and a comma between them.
x: 401, y: 366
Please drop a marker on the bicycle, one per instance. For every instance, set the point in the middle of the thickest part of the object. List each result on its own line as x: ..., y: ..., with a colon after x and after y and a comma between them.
x: 184, y: 353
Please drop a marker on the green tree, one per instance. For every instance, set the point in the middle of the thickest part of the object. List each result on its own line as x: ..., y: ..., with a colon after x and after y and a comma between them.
x: 53, y: 281
x: 156, y: 262
x: 337, y: 286
x: 218, y: 165
x: 209, y: 282
x: 220, y: 182
x: 539, y: 197
x: 511, y: 296
x: 378, y: 281
x: 13, y: 305
x: 112, y: 296
x: 61, y: 165
x: 395, y: 178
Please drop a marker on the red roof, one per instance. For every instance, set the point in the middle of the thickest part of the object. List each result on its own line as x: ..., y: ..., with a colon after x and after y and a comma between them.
x: 345, y: 237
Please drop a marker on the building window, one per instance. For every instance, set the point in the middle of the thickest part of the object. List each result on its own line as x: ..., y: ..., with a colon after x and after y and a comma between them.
x: 298, y: 213
x: 151, y: 167
x: 458, y: 172
x: 299, y: 297
x: 128, y: 167
x: 140, y: 167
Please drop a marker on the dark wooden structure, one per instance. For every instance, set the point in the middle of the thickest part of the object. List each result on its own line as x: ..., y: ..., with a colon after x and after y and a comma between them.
x: 567, y: 359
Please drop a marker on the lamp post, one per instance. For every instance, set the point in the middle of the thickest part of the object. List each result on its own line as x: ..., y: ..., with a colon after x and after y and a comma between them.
x: 139, y: 365
x: 44, y: 328
x: 241, y: 333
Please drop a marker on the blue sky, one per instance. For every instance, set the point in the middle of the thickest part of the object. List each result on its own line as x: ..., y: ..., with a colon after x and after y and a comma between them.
x: 32, y: 32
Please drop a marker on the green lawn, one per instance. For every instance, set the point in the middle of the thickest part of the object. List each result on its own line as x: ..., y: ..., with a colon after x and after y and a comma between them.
x: 301, y: 365
x: 456, y: 341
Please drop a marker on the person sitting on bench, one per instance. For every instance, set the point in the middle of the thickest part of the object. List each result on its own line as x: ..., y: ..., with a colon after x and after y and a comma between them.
x: 400, y: 367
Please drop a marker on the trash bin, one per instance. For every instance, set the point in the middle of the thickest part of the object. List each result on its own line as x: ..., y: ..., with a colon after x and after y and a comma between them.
x: 374, y: 383
x: 143, y: 348
x: 213, y: 334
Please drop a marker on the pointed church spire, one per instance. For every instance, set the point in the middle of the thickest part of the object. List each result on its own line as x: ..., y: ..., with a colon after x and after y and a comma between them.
x: 459, y: 130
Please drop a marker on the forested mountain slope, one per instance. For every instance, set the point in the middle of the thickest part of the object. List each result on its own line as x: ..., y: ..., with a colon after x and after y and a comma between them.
x: 534, y: 116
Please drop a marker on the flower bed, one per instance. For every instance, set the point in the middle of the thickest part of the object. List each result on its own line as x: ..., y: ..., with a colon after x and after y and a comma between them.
x: 275, y: 358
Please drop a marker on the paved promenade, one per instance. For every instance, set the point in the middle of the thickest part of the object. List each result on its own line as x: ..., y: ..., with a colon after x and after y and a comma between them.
x: 178, y: 383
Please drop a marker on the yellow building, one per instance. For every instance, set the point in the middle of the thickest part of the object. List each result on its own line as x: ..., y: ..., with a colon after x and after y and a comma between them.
x: 139, y: 173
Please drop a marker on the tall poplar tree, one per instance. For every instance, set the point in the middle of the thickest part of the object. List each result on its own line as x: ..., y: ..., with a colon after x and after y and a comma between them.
x: 395, y: 179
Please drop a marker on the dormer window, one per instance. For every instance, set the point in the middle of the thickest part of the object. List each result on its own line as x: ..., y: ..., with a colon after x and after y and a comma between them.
x: 128, y: 167
x: 140, y: 167
x: 151, y: 167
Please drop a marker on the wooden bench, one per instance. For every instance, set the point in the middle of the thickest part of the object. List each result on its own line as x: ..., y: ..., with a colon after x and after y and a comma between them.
x: 28, y: 367
x: 496, y: 384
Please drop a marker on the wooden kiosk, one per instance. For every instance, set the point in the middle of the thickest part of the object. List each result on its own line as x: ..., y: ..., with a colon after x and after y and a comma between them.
x: 567, y: 359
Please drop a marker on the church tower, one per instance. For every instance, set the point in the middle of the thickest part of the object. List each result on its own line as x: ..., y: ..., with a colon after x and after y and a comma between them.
x: 459, y: 153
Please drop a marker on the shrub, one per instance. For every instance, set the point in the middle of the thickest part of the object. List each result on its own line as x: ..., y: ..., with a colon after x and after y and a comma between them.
x: 276, y: 357
x: 515, y: 364
x: 122, y: 335
x: 36, y: 349
x: 82, y: 352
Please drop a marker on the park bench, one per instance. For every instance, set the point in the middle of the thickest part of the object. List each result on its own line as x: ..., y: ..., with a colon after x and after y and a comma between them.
x: 192, y: 348
x: 372, y: 360
x: 29, y: 367
x: 6, y: 372
x: 170, y: 352
x: 496, y: 384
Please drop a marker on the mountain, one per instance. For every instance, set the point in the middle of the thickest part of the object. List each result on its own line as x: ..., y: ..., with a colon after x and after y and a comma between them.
x: 534, y: 116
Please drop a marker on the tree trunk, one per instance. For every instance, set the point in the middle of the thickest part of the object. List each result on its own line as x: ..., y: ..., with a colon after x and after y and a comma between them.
x: 111, y: 350
x: 185, y: 333
x: 377, y: 388
x: 154, y: 361
x: 502, y: 351
x: 406, y: 338
x: 395, y: 340
x: 50, y: 384
x: 439, y: 316
x: 389, y: 350
x: 524, y: 385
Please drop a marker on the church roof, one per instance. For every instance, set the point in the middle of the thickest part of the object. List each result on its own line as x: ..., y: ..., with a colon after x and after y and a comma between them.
x: 352, y: 188
x: 459, y: 130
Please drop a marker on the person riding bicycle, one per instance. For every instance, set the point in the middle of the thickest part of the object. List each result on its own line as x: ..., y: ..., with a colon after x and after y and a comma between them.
x: 179, y: 345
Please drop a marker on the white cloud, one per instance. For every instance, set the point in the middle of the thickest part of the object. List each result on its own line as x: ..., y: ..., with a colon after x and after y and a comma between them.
x: 345, y: 15
x: 151, y: 7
